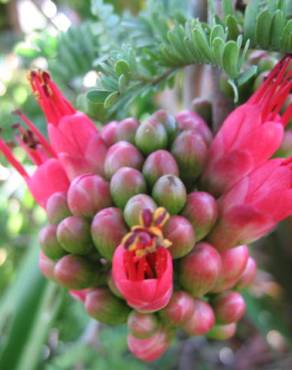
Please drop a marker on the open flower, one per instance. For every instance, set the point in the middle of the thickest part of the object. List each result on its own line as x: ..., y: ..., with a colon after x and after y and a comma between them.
x: 49, y: 176
x: 251, y: 133
x: 254, y: 205
x: 142, y: 266
x: 72, y: 134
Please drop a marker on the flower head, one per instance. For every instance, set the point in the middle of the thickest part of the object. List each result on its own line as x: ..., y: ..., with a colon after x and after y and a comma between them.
x: 251, y: 133
x: 142, y: 265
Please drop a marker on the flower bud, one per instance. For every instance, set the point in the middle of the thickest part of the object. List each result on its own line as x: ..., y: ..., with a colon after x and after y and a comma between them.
x: 135, y: 206
x: 49, y: 242
x: 73, y: 233
x: 122, y: 154
x: 142, y: 325
x: 222, y: 332
x: 188, y: 120
x: 228, y: 307
x: 190, y: 152
x: 57, y: 208
x: 169, y: 123
x: 179, y: 309
x: 170, y: 192
x: 201, y: 210
x: 234, y: 261
x: 75, y: 272
x: 202, y: 319
x: 103, y: 306
x: 126, y: 183
x: 109, y: 133
x: 157, y: 164
x: 112, y: 286
x: 149, y: 349
x: 107, y: 230
x: 203, y: 109
x: 200, y: 269
x: 88, y: 194
x: 248, y: 274
x: 151, y: 136
x: 46, y: 265
x: 126, y: 130
x: 180, y: 233
x: 79, y: 295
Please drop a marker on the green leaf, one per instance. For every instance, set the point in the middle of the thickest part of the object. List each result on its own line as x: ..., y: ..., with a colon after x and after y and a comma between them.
x: 122, y: 67
x: 231, y: 59
x: 286, y: 39
x: 263, y: 29
x: 227, y: 8
x: 251, y: 13
x: 111, y: 99
x: 278, y: 24
x: 233, y: 27
x: 247, y: 75
x: 217, y: 50
x: 97, y: 96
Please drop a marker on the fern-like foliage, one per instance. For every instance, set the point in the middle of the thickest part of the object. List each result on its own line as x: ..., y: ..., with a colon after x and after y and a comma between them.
x: 160, y: 43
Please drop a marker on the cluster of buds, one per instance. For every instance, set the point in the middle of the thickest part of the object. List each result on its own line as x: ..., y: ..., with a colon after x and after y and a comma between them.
x: 149, y: 222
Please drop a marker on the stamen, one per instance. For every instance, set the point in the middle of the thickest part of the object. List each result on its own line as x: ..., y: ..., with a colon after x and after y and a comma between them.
x: 4, y: 148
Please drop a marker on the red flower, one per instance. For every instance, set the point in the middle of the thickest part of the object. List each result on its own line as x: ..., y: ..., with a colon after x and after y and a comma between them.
x: 254, y: 205
x: 49, y: 177
x: 142, y: 266
x: 251, y: 133
x: 72, y: 134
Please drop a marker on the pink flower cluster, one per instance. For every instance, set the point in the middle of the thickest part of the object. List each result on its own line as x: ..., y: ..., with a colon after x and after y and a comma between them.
x: 121, y: 207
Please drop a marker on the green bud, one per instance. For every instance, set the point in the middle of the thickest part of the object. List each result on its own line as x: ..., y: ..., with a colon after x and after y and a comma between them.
x: 168, y: 121
x: 180, y: 233
x: 222, y: 332
x: 170, y: 192
x: 107, y: 230
x: 49, y: 242
x: 57, y: 208
x: 135, y: 206
x: 73, y: 234
x: 157, y: 164
x: 75, y: 272
x: 151, y: 136
x: 125, y: 183
x: 122, y: 154
x: 126, y: 130
x: 190, y: 151
x: 103, y: 306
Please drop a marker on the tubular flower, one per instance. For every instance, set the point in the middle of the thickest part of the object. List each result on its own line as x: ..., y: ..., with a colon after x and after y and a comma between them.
x: 251, y: 133
x: 142, y: 266
x: 49, y: 171
x: 72, y: 134
x: 254, y: 205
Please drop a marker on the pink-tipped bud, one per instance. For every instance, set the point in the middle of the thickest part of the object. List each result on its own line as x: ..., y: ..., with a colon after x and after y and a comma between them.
x: 46, y: 265
x: 73, y: 233
x: 179, y: 309
x: 79, y: 295
x: 151, y: 136
x: 107, y: 230
x: 126, y: 183
x: 169, y: 192
x: 88, y: 194
x: 57, y: 208
x: 248, y: 275
x: 157, y: 164
x: 109, y: 133
x: 126, y: 130
x: 49, y: 242
x: 149, y: 349
x: 103, y: 306
x: 122, y: 154
x: 188, y: 120
x: 202, y: 319
x: 180, y: 233
x: 190, y: 152
x: 112, y: 285
x: 228, y: 307
x: 200, y: 269
x: 135, y: 206
x: 222, y: 332
x: 75, y: 272
x: 142, y: 325
x: 201, y: 210
x: 168, y: 121
x: 234, y: 261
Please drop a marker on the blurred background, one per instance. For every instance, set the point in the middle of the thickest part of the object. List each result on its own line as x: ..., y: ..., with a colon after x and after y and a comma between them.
x: 41, y: 327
